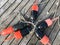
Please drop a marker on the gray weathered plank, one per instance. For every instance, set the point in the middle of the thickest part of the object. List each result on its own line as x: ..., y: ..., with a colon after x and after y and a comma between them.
x: 44, y: 12
x: 16, y: 10
x: 26, y: 39
x: 2, y: 2
x: 38, y: 43
x: 22, y: 5
x: 7, y: 42
x: 33, y: 40
x: 6, y: 6
x: 27, y: 6
x: 10, y: 9
x: 54, y: 32
x: 57, y: 40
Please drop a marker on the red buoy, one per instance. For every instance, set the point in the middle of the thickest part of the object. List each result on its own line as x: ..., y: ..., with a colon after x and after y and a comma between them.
x: 44, y: 40
x: 35, y: 7
x: 7, y: 30
x: 49, y: 22
x: 18, y: 35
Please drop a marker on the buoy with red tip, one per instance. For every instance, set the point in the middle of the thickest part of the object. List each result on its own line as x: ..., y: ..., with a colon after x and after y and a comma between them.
x: 18, y: 33
x: 42, y: 37
x: 50, y: 21
x: 35, y: 7
x: 45, y: 40
x: 10, y: 29
x: 34, y: 12
x: 41, y: 27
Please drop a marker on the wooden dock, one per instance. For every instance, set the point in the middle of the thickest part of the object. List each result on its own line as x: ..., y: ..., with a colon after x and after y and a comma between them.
x: 9, y: 15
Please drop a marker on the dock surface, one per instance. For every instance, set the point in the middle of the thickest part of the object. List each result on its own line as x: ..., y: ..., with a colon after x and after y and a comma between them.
x: 9, y: 15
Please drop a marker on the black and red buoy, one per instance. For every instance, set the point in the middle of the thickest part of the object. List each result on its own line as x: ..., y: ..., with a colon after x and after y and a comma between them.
x: 41, y: 27
x: 20, y: 30
x: 42, y: 37
x: 34, y: 12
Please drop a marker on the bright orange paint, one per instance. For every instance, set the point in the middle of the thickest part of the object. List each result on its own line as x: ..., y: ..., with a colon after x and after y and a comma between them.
x: 44, y: 40
x: 18, y: 35
x: 35, y: 7
x: 49, y: 22
x: 7, y: 31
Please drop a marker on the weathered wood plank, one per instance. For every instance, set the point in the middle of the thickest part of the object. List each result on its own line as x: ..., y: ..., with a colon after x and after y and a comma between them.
x: 42, y: 6
x: 26, y: 39
x: 6, y: 6
x: 57, y: 40
x: 12, y: 8
x: 38, y: 43
x: 22, y: 5
x: 27, y: 6
x: 44, y: 12
x: 16, y: 10
x: 7, y: 42
x: 54, y: 32
x: 33, y: 40
x: 2, y: 2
